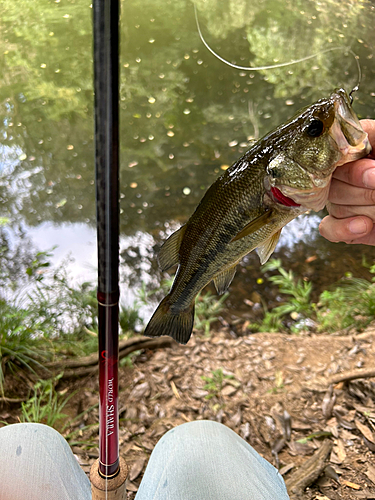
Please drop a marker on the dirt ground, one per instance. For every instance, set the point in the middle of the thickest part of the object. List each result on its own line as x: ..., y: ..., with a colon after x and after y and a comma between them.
x: 268, y: 378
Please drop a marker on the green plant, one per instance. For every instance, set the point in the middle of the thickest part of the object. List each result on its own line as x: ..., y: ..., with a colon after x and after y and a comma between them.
x: 214, y: 384
x: 128, y: 360
x: 46, y: 405
x: 297, y: 305
x: 39, y: 263
x: 271, y: 322
x: 351, y: 303
x: 60, y: 307
x: 299, y: 291
x: 279, y: 383
x: 143, y: 294
x: 19, y: 347
x: 129, y: 318
x: 207, y: 310
x: 333, y: 312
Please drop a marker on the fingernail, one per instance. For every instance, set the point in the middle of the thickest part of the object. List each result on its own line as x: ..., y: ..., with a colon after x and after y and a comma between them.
x: 357, y: 226
x: 369, y: 178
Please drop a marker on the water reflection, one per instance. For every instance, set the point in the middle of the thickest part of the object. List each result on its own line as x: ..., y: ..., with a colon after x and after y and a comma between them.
x: 184, y: 115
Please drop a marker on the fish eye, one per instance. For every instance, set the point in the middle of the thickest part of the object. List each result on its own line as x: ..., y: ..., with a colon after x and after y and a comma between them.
x: 315, y: 128
x: 274, y: 172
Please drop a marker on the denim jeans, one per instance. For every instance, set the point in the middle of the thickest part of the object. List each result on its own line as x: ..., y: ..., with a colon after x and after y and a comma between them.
x: 200, y: 460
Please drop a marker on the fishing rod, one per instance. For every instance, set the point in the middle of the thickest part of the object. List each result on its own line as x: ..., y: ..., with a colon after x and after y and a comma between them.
x: 108, y: 474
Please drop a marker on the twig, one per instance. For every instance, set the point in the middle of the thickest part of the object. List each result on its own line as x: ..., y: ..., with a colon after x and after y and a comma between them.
x: 344, y: 377
x: 308, y: 472
x: 5, y: 400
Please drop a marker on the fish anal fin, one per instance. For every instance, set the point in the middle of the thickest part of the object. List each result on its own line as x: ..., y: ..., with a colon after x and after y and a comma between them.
x: 168, y: 255
x: 253, y: 226
x: 224, y: 279
x: 266, y: 249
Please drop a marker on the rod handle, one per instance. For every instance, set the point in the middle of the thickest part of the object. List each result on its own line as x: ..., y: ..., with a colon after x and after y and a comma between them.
x: 108, y: 489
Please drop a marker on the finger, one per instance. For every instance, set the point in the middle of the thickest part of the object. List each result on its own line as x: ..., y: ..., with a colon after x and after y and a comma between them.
x: 369, y: 127
x: 345, y: 211
x: 359, y: 173
x: 349, y: 230
x: 369, y: 239
x: 342, y: 193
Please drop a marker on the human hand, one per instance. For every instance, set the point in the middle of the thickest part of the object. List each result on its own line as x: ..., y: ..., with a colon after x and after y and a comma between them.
x: 351, y: 199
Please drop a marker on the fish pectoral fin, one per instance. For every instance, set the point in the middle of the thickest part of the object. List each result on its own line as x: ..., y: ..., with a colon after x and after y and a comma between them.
x: 266, y: 249
x: 169, y: 252
x: 253, y: 226
x: 224, y: 279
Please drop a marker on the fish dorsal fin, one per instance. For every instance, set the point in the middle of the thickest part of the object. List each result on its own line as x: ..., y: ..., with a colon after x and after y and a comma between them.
x: 253, y: 226
x: 266, y: 249
x: 168, y: 255
x: 224, y: 279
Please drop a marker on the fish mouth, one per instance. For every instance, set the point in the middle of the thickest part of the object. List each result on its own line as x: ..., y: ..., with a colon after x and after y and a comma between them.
x: 314, y: 198
x: 281, y: 198
x: 351, y: 140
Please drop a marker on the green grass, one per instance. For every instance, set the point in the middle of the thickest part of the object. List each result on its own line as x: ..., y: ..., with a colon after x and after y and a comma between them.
x: 21, y: 346
x: 348, y: 303
x: 214, y: 384
x: 208, y: 308
x: 46, y: 405
x: 48, y: 318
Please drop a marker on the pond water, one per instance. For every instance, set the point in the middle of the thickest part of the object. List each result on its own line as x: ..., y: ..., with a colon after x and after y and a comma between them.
x: 185, y: 117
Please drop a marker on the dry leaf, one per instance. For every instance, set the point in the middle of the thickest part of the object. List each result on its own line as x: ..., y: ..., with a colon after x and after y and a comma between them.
x: 365, y: 431
x: 370, y: 473
x: 175, y: 390
x: 245, y: 430
x: 330, y: 472
x: 140, y: 391
x: 328, y: 403
x: 369, y: 444
x: 237, y: 418
x: 284, y: 470
x: 131, y: 486
x: 199, y: 394
x: 340, y: 450
x: 228, y: 390
x: 297, y: 448
x: 136, y: 469
x: 136, y: 448
x: 311, y: 259
x: 334, y: 458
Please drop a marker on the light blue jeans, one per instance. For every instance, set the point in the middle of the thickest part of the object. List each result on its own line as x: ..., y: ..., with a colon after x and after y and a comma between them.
x: 200, y: 460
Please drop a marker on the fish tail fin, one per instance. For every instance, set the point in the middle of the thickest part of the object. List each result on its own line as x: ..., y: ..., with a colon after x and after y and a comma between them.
x: 165, y: 322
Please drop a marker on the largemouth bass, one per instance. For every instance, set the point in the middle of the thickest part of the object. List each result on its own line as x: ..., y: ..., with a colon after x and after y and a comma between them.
x: 283, y: 175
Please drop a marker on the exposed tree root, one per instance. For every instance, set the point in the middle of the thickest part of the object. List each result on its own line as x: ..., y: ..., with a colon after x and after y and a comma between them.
x: 309, y: 472
x: 87, y: 365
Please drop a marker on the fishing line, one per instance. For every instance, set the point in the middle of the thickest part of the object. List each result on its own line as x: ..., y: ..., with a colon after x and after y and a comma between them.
x: 279, y: 65
x: 356, y: 87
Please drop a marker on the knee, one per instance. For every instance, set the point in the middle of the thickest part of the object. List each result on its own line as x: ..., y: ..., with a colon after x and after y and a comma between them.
x: 28, y: 435
x: 197, y: 429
